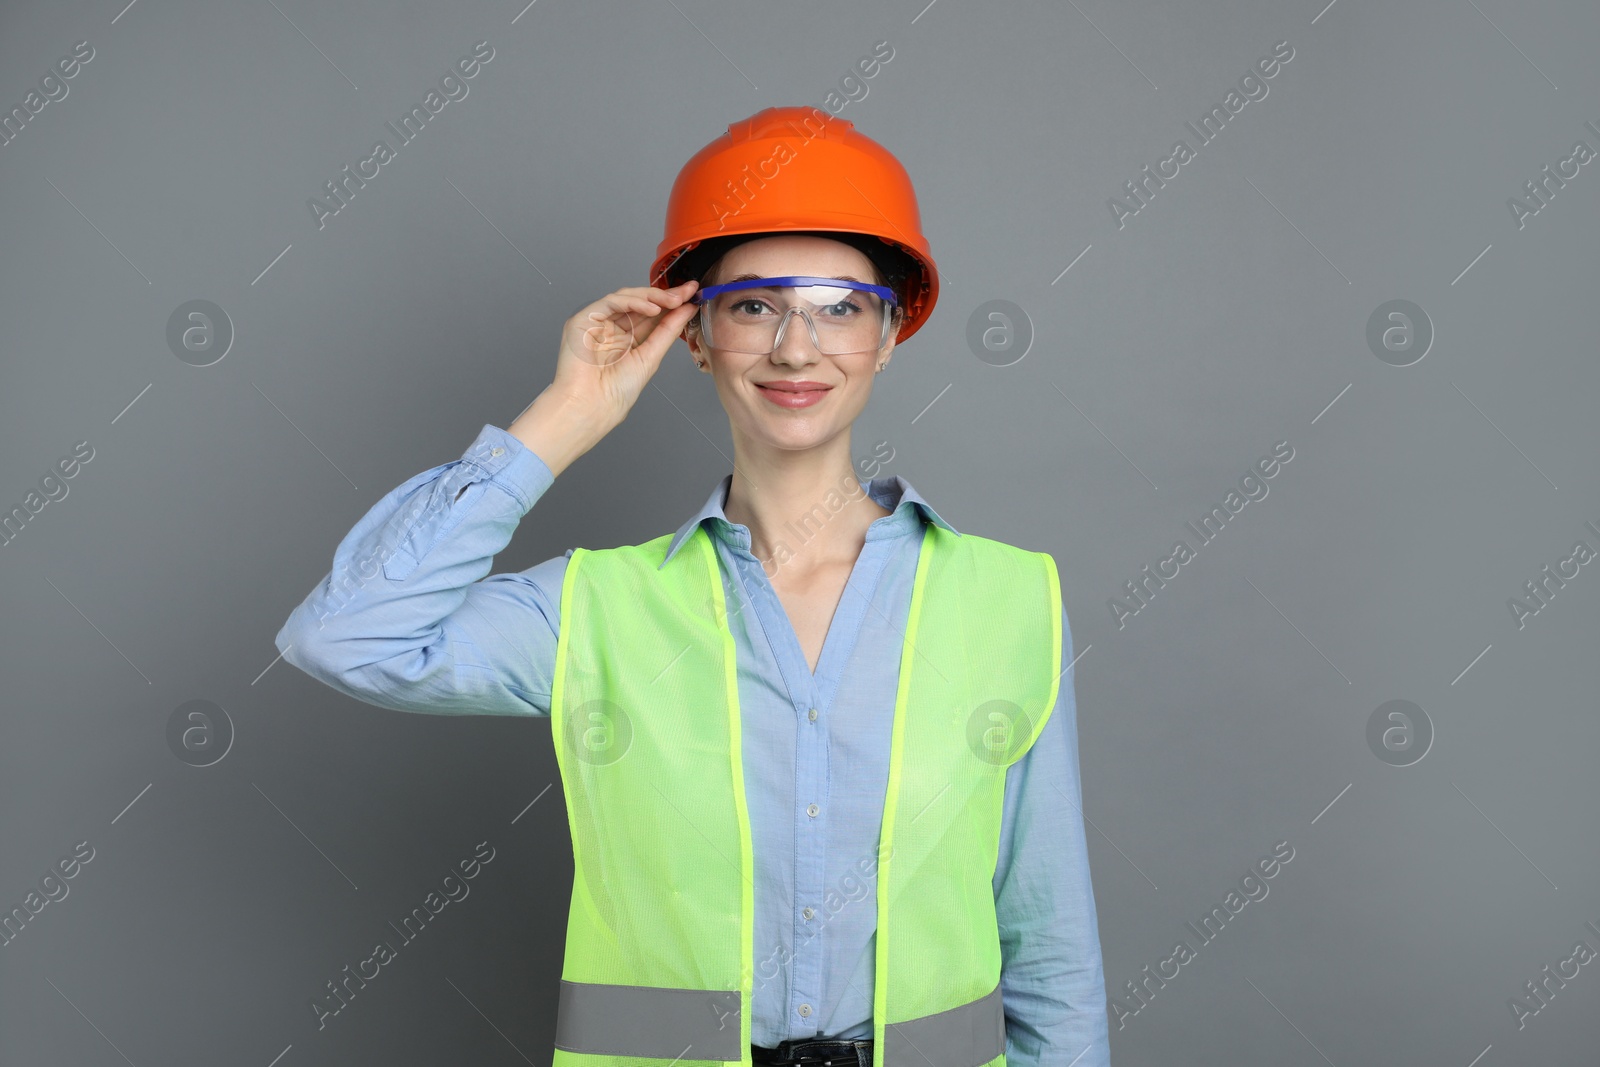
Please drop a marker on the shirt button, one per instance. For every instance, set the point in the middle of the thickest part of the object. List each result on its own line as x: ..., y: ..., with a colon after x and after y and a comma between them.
x: 497, y: 451
x: 805, y: 1009
x: 807, y: 912
x: 811, y: 810
x: 812, y: 715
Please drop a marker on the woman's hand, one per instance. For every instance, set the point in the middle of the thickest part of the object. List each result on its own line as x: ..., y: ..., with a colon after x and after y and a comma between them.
x: 609, y: 350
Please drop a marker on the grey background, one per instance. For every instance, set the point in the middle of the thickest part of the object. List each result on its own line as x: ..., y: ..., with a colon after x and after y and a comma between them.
x: 1228, y: 315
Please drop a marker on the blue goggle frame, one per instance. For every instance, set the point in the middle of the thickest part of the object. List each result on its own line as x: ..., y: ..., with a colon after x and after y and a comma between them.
x: 882, y: 291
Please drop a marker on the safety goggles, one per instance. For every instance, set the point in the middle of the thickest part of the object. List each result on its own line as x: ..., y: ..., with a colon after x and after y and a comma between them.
x: 752, y: 315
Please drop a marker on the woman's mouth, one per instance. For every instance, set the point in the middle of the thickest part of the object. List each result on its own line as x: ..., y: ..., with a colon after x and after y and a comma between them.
x: 793, y: 394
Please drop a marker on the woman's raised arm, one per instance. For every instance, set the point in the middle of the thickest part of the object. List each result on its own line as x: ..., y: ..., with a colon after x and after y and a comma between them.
x: 406, y: 618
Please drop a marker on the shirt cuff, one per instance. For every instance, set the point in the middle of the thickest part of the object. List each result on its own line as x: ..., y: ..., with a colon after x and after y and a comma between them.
x: 510, y: 464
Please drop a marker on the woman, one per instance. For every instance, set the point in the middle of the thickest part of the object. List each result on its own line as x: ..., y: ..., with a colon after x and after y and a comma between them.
x: 818, y: 749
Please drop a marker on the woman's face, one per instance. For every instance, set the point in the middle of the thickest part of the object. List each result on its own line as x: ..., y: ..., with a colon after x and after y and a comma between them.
x: 740, y: 377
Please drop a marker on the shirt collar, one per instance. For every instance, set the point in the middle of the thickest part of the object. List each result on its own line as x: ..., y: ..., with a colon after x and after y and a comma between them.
x: 909, y: 512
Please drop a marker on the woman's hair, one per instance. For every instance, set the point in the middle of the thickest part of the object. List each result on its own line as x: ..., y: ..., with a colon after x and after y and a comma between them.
x: 892, y: 266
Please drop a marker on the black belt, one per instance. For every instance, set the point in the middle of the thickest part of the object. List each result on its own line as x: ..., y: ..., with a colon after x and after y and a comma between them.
x: 819, y: 1052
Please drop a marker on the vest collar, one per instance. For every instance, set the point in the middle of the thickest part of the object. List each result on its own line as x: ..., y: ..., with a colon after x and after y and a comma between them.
x: 894, y: 493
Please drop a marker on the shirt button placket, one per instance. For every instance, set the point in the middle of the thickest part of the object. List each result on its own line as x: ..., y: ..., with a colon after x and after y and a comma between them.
x: 812, y: 773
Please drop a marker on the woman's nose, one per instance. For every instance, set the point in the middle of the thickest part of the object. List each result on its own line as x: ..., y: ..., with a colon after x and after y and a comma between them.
x: 795, y: 340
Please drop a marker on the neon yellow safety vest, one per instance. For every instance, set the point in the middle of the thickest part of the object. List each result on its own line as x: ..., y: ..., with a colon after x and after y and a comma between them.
x: 659, y: 963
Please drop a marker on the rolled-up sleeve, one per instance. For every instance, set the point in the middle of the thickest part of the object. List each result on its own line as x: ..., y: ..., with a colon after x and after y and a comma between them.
x: 1052, y: 979
x: 406, y: 618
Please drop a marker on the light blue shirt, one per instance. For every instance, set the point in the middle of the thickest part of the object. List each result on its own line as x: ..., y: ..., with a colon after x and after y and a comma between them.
x: 409, y: 618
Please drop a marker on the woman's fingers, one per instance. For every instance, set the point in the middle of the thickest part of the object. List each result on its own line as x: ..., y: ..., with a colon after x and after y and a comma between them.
x: 683, y: 289
x: 663, y: 298
x: 644, y: 300
x: 621, y: 325
x: 638, y: 309
x: 663, y: 332
x: 628, y: 320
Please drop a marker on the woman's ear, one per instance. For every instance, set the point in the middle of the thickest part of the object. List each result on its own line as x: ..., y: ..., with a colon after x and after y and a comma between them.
x: 691, y: 337
x: 887, y: 350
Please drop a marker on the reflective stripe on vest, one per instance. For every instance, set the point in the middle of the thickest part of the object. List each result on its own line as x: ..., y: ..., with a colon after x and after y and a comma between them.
x: 621, y: 1020
x: 659, y: 961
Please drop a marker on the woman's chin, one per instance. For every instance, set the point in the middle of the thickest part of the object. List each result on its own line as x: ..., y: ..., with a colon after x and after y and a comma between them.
x: 790, y: 436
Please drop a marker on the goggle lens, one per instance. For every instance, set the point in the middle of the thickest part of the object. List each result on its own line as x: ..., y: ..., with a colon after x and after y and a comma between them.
x: 841, y: 319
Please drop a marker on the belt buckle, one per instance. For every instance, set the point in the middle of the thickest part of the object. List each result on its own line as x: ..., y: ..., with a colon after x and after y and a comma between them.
x: 788, y: 1055
x: 848, y: 1057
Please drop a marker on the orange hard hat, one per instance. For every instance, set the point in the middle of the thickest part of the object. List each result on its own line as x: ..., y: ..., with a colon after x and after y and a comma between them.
x: 798, y: 168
